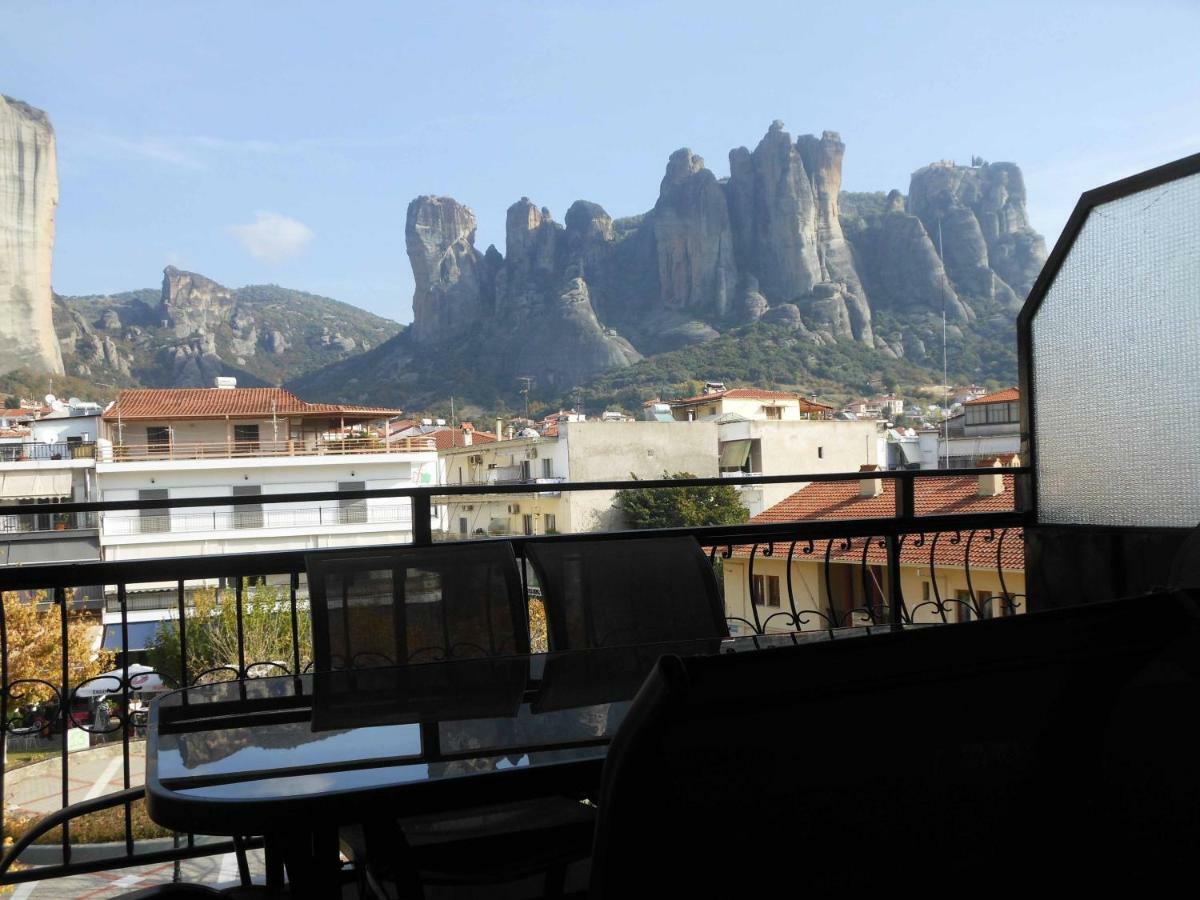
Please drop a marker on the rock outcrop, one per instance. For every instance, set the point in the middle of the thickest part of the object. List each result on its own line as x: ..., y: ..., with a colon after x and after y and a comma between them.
x: 989, y: 248
x: 439, y: 234
x: 28, y: 197
x: 767, y: 244
x: 193, y: 304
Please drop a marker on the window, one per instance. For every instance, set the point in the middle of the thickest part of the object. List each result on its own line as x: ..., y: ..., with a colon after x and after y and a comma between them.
x: 820, y: 453
x: 525, y: 472
x: 965, y: 614
x: 154, y: 519
x: 551, y: 524
x: 352, y: 512
x: 158, y: 437
x: 527, y: 523
x: 773, y: 412
x: 250, y: 515
x: 462, y: 525
x: 925, y: 592
x: 547, y: 468
x: 766, y: 590
x: 245, y: 437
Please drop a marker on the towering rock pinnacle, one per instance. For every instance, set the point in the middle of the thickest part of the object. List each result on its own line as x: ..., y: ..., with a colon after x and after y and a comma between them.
x: 696, y: 267
x: 439, y: 234
x: 990, y: 250
x: 28, y: 196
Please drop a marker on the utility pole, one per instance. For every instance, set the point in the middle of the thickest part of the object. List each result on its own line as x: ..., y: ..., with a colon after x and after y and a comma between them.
x: 945, y: 378
x: 526, y: 383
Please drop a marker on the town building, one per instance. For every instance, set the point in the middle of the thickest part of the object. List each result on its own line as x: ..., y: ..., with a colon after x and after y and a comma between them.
x: 988, y: 426
x: 958, y: 577
x: 246, y: 442
x: 47, y: 458
x: 577, y: 451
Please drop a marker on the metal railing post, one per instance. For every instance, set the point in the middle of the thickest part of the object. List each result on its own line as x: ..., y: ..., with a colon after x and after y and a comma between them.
x: 421, y: 513
x: 905, y: 511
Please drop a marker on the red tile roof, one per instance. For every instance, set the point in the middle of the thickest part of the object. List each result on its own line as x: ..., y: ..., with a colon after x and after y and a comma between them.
x: 450, y: 438
x: 234, y: 403
x: 933, y: 496
x: 998, y: 397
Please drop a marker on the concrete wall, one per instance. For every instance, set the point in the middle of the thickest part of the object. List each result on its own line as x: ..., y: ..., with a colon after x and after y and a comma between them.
x: 603, y: 451
x: 801, y: 448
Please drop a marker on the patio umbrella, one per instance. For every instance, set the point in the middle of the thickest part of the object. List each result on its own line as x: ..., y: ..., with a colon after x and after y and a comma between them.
x: 141, y: 678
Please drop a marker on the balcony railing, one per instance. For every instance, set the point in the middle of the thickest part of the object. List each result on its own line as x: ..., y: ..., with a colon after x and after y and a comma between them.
x: 37, y: 452
x: 237, y: 519
x: 190, y: 450
x: 856, y: 564
x: 47, y: 521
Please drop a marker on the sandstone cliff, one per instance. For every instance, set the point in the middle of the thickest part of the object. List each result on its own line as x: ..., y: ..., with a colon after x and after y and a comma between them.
x: 28, y: 196
x: 770, y: 243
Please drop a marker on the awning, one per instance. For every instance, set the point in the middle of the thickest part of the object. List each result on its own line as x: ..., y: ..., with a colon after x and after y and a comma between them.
x: 141, y: 634
x: 734, y: 454
x: 911, y: 451
x: 34, y: 485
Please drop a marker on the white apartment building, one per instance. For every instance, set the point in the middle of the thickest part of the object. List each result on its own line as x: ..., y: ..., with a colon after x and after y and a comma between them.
x: 580, y: 451
x: 763, y: 432
x: 49, y: 461
x: 246, y: 442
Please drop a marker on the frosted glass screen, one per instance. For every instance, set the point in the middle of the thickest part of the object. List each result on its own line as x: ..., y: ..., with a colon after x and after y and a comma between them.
x: 1116, y: 367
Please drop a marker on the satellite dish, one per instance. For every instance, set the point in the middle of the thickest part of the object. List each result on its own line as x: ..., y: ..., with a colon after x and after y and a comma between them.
x: 74, y: 401
x: 50, y: 398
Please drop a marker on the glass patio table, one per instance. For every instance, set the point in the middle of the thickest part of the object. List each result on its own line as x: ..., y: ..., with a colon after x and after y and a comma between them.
x: 295, y: 757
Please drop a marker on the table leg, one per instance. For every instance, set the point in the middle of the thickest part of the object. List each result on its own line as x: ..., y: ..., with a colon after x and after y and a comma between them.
x: 313, y: 866
x: 273, y: 850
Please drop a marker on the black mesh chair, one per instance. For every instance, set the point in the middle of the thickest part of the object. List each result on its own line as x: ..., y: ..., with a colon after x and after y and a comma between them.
x: 1054, y: 748
x: 405, y: 605
x: 410, y: 606
x: 608, y: 593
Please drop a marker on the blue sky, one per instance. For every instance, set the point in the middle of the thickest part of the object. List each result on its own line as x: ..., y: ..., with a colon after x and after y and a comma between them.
x: 282, y: 142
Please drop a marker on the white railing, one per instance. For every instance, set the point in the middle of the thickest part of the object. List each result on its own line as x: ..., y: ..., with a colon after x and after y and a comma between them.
x: 249, y: 449
x: 354, y: 513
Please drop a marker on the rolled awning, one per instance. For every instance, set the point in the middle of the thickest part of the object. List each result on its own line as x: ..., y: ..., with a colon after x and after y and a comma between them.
x: 910, y: 451
x: 34, y: 485
x: 734, y: 454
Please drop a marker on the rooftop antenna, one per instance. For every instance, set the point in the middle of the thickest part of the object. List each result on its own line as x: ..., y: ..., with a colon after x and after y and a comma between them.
x: 945, y: 377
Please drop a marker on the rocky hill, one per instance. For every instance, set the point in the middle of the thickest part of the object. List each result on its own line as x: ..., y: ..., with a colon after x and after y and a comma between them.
x: 28, y: 197
x: 194, y: 329
x: 776, y: 244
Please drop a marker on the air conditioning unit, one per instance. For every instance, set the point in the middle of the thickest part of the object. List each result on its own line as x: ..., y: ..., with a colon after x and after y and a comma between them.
x: 514, y: 508
x: 469, y: 507
x: 476, y: 460
x: 531, y: 453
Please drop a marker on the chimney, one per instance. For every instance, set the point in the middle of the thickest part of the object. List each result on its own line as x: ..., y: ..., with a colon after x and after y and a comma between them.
x: 499, y: 429
x: 993, y: 483
x: 870, y: 487
x: 468, y: 435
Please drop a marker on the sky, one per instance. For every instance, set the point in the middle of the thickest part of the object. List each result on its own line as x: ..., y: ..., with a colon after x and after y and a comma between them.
x: 282, y: 142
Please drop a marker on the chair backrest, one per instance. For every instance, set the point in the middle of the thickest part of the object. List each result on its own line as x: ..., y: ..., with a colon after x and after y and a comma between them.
x: 395, y: 606
x: 981, y: 753
x: 603, y: 593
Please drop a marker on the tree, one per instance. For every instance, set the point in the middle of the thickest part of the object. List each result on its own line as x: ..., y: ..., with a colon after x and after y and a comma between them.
x: 683, y: 507
x: 212, y: 636
x: 36, y: 645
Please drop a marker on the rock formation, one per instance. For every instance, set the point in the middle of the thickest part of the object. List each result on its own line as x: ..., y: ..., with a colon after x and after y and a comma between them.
x: 989, y: 248
x: 769, y: 244
x: 193, y: 304
x: 28, y: 196
x: 439, y: 234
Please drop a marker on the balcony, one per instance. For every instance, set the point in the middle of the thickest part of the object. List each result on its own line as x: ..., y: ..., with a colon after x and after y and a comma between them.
x: 185, y: 521
x: 1100, y: 757
x: 37, y: 452
x: 47, y: 521
x: 177, y: 451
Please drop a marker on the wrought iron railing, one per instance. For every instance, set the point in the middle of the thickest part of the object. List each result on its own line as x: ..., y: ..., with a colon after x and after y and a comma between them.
x: 832, y: 575
x: 47, y: 520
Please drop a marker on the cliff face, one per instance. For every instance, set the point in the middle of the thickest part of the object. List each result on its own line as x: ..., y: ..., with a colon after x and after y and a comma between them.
x: 769, y: 243
x: 28, y: 196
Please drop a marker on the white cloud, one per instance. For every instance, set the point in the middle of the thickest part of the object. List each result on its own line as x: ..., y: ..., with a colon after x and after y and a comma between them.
x: 273, y: 237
